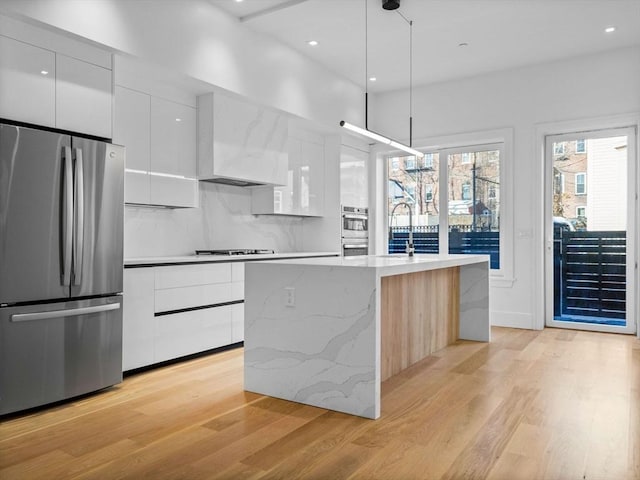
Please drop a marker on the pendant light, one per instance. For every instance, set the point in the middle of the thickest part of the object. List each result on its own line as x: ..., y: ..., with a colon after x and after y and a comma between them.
x: 365, y: 131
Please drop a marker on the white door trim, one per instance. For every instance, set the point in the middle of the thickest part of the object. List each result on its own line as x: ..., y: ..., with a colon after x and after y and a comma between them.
x: 543, y: 130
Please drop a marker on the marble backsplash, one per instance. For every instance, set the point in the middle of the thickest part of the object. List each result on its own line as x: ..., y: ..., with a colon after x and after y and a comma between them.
x: 223, y: 221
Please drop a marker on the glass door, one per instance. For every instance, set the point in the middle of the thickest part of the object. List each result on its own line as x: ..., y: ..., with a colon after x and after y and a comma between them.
x: 591, y: 231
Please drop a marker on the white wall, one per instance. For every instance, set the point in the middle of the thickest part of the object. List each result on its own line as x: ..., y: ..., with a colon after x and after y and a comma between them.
x: 585, y: 87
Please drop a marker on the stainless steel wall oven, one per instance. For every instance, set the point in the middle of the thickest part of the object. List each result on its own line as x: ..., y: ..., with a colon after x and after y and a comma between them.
x: 355, y: 231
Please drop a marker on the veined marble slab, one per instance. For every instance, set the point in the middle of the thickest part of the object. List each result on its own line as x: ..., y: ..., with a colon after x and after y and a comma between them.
x: 312, y: 325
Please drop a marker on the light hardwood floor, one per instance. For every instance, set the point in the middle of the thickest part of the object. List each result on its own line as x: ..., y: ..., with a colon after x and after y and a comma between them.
x: 554, y: 404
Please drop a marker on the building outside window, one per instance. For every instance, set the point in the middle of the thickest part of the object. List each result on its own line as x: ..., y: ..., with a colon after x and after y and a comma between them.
x: 559, y: 148
x: 581, y: 183
x: 581, y: 146
x: 472, y: 214
x: 581, y: 212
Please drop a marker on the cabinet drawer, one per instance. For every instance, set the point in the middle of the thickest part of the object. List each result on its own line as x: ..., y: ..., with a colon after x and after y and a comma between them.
x: 189, y: 275
x: 237, y: 272
x: 196, y: 296
x: 237, y: 322
x: 186, y: 333
x: 137, y: 321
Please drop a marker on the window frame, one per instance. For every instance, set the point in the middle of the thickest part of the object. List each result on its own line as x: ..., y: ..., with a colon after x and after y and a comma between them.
x: 583, y: 183
x: 428, y: 193
x: 584, y: 146
x: 499, y: 139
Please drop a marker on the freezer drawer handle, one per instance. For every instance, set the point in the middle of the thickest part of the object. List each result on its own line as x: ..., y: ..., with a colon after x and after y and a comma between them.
x: 70, y: 312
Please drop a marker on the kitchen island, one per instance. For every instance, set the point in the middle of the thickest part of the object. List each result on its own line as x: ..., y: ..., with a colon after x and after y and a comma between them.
x: 328, y: 331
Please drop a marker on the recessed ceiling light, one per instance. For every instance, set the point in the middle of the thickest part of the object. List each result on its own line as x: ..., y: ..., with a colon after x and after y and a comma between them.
x: 44, y: 72
x: 313, y: 43
x: 372, y: 79
x: 238, y: 1
x: 178, y: 119
x: 610, y: 29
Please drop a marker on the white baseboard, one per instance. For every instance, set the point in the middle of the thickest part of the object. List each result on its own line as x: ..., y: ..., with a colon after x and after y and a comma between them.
x: 512, y: 319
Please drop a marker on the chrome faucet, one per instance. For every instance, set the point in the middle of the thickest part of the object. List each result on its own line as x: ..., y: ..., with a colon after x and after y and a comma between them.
x: 410, y: 249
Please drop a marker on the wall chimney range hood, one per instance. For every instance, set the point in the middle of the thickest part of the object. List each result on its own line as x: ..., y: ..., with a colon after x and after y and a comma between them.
x: 235, y: 182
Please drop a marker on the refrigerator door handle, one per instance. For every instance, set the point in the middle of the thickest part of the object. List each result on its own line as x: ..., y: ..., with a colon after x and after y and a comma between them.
x: 69, y: 312
x: 67, y: 216
x: 78, y: 243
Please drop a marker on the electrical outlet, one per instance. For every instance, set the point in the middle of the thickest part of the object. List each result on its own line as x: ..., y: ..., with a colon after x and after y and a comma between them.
x: 289, y: 297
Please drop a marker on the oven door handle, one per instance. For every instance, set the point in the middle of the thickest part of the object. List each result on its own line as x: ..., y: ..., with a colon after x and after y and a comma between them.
x: 355, y: 216
x: 355, y: 245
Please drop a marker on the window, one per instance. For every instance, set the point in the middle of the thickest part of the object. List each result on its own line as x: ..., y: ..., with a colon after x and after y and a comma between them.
x: 411, y: 193
x: 470, y: 218
x: 396, y: 192
x: 581, y: 183
x: 558, y: 183
x: 581, y: 212
x: 428, y: 193
x: 474, y: 208
x: 395, y: 164
x: 558, y: 148
x: 581, y: 146
x: 428, y: 160
x: 466, y: 191
x: 410, y: 163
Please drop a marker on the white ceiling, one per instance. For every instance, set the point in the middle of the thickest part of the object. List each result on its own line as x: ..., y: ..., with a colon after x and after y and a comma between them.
x: 501, y: 34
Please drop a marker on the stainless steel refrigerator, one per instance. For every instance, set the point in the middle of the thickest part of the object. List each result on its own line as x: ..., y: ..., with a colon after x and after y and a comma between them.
x: 61, y: 241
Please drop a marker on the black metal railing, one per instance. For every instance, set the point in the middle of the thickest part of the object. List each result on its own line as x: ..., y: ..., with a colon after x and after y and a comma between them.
x: 590, y: 275
x: 461, y: 240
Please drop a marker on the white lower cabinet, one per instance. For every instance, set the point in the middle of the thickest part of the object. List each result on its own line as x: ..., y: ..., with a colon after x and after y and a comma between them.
x: 174, y: 311
x: 185, y: 333
x: 138, y: 328
x: 237, y: 323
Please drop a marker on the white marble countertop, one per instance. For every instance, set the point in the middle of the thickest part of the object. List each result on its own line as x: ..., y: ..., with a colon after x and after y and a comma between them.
x: 181, y: 259
x: 393, y: 264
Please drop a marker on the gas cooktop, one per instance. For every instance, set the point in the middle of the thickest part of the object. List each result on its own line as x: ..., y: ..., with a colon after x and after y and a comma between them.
x: 234, y: 252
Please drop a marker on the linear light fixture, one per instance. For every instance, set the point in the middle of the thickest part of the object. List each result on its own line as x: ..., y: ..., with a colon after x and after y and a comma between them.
x: 380, y: 138
x: 365, y: 131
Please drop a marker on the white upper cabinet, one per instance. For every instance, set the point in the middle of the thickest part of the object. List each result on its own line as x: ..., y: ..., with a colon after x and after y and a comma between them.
x: 160, y: 138
x: 303, y: 195
x: 27, y: 83
x: 132, y: 128
x: 354, y: 177
x: 173, y: 130
x: 241, y: 141
x: 83, y: 97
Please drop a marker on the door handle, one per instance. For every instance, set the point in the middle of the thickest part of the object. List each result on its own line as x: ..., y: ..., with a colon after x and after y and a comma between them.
x: 78, y: 244
x: 67, y: 216
x: 68, y: 312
